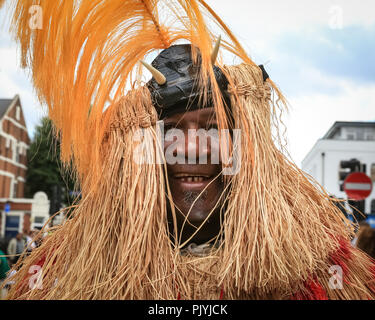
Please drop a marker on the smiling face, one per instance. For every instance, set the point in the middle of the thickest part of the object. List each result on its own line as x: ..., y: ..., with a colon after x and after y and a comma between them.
x: 196, y: 187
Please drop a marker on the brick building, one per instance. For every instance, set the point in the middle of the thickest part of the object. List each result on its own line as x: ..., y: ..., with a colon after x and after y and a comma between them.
x: 14, y: 142
x: 17, y: 213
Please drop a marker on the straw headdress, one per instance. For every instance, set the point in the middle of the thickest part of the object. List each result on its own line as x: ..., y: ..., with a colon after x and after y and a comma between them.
x: 282, y: 233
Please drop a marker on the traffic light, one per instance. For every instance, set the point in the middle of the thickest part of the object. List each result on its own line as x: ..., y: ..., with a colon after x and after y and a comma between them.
x: 347, y: 167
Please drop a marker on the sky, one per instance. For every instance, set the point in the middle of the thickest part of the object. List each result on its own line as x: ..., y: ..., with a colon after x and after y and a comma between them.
x: 320, y: 53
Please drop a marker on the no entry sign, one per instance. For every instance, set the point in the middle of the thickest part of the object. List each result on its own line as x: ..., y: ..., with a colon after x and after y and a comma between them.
x: 357, y: 186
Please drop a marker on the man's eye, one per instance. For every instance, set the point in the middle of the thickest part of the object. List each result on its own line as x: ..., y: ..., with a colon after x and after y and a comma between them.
x: 212, y: 126
x: 169, y: 126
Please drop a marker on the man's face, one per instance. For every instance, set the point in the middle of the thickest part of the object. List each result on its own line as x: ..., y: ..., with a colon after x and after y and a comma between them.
x: 196, y: 188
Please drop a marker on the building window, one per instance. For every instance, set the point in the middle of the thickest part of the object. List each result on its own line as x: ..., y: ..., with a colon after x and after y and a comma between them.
x: 7, y: 143
x: 18, y: 154
x: 360, y: 134
x: 369, y: 134
x: 372, y: 172
x: 39, y: 220
x: 18, y: 113
x: 12, y: 225
x: 15, y: 185
x: 350, y: 136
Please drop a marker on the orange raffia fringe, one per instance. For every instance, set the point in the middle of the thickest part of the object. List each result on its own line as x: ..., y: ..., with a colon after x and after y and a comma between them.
x: 87, y: 52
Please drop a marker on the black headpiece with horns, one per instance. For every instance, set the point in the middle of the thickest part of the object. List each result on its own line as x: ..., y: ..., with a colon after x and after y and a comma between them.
x: 174, y: 84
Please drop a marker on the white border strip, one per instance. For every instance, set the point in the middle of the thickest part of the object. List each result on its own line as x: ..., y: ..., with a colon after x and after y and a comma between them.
x: 357, y: 186
x: 13, y: 162
x: 6, y: 174
x: 15, y: 123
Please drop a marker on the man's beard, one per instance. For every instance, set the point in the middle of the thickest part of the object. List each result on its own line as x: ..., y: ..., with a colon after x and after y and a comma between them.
x: 194, y: 197
x: 210, y: 227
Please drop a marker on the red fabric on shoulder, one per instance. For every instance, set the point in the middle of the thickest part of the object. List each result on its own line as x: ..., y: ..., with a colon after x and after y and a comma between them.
x: 314, y: 289
x: 341, y: 256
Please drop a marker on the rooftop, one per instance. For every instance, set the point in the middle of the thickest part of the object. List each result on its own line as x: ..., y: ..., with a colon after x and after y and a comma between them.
x: 338, y: 125
x: 4, y: 105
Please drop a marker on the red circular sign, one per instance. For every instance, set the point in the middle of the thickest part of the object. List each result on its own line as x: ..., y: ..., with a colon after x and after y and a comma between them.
x: 357, y: 186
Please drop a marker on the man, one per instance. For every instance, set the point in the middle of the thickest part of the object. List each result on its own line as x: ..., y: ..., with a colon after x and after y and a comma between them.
x: 196, y: 188
x: 15, y: 247
x: 246, y: 225
x: 194, y: 167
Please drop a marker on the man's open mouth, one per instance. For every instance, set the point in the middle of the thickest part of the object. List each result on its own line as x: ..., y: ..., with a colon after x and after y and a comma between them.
x: 188, y: 177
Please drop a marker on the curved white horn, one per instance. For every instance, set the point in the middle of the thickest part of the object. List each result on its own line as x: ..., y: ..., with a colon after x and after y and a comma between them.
x: 158, y: 76
x: 215, y: 51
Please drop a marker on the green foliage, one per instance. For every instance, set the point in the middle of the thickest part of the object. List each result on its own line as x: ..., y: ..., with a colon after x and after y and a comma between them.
x: 45, y: 169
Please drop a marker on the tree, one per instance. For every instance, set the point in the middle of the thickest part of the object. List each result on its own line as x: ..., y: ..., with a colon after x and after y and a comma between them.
x: 45, y: 170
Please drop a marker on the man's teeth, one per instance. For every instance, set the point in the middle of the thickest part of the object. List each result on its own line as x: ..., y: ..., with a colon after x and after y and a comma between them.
x: 192, y: 179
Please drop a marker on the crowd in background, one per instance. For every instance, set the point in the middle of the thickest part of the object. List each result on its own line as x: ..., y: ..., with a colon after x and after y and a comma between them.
x: 11, y: 252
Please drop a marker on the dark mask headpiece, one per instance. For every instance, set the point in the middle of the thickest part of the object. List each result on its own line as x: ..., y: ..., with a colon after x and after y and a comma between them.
x: 174, y: 86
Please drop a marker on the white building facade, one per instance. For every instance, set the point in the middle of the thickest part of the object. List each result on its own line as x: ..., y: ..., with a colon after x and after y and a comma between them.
x: 343, y: 142
x: 24, y: 215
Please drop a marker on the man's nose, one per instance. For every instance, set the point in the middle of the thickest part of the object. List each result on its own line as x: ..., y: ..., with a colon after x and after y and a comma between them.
x: 197, y: 145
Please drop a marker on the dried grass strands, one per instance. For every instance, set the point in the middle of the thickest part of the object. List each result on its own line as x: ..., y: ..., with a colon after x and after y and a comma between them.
x: 279, y: 229
x: 278, y: 226
x: 116, y: 246
x: 358, y: 278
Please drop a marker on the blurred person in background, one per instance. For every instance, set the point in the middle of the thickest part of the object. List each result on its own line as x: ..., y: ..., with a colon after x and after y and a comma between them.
x: 4, y: 268
x: 361, y: 226
x: 366, y: 239
x: 15, y: 247
x: 30, y: 243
